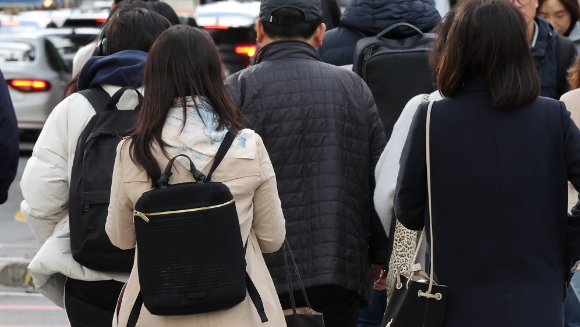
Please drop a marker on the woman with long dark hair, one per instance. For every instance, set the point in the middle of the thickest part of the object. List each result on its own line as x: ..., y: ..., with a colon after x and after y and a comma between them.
x: 187, y: 110
x: 500, y: 159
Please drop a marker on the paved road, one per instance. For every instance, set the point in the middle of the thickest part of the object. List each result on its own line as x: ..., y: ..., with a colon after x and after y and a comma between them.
x: 22, y: 307
x: 11, y: 231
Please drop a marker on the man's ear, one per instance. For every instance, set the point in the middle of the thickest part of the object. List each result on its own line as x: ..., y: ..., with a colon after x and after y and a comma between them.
x: 260, y: 35
x: 319, y: 34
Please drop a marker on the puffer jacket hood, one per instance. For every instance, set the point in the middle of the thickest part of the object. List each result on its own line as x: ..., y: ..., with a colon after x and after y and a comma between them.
x: 123, y: 68
x: 373, y: 16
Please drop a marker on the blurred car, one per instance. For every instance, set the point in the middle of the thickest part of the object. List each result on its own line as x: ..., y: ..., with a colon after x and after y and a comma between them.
x: 11, y: 25
x: 231, y: 25
x: 86, y: 19
x: 68, y: 40
x: 46, y: 16
x: 36, y: 76
x: 20, y: 3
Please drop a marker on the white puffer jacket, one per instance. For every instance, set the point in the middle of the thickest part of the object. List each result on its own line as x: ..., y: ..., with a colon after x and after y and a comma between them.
x: 45, y: 186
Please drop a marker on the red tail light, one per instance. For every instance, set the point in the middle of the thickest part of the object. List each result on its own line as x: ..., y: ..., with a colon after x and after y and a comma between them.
x: 29, y: 85
x: 249, y: 50
x: 215, y: 27
x: 101, y: 20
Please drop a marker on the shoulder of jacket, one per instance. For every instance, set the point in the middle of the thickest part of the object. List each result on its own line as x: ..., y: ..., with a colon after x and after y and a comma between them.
x: 75, y: 107
x: 571, y: 96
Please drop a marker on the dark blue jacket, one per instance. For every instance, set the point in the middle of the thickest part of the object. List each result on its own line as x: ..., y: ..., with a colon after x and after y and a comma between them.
x: 370, y: 17
x: 503, y: 241
x: 9, y: 141
x: 545, y: 55
x: 124, y: 68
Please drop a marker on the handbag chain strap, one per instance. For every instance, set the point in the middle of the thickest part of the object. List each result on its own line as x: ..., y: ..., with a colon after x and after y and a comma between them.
x: 429, y: 293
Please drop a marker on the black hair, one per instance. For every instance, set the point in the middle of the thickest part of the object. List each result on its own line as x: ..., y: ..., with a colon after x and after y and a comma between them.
x: 123, y: 1
x: 295, y: 31
x: 133, y: 29
x: 488, y: 38
x: 183, y: 62
x: 331, y: 13
x: 164, y: 10
x: 127, y: 4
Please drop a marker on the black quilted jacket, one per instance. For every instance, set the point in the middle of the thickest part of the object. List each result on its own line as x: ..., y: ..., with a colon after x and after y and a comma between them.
x: 324, y: 136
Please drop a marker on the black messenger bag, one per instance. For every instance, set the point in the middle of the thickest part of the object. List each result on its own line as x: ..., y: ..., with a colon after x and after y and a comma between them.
x: 191, y: 257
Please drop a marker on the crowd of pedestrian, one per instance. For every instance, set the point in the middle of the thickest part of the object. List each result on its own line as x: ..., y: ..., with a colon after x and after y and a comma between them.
x: 330, y: 204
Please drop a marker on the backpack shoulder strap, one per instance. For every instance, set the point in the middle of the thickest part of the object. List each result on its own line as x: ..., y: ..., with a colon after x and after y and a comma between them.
x: 221, y: 153
x: 98, y: 98
x: 252, y: 293
x: 564, y: 55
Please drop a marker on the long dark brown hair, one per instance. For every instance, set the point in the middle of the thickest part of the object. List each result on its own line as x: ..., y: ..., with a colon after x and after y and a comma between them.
x: 488, y: 39
x: 182, y: 62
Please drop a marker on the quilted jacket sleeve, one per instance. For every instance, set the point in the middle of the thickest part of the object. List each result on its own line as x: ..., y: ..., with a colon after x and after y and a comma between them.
x: 120, y: 226
x: 234, y: 84
x: 268, y: 223
x: 45, y: 182
x: 378, y: 241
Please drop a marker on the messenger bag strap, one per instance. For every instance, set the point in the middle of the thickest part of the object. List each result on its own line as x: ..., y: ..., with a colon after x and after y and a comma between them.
x: 136, y: 311
x: 221, y: 153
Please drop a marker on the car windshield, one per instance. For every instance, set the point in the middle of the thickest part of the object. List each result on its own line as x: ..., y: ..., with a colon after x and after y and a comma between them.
x: 9, y: 26
x: 16, y: 51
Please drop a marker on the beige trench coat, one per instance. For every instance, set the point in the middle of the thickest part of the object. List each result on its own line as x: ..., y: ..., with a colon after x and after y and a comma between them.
x: 253, y: 184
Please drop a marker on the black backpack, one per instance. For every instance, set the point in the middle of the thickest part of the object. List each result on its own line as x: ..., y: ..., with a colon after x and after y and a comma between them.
x: 395, y: 70
x: 564, y: 56
x: 191, y: 256
x: 90, y: 185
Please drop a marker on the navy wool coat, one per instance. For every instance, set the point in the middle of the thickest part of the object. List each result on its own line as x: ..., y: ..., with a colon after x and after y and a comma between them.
x: 9, y: 141
x: 503, y: 241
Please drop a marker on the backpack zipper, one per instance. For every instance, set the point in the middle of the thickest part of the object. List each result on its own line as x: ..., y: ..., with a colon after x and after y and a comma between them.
x: 145, y: 217
x: 367, y: 53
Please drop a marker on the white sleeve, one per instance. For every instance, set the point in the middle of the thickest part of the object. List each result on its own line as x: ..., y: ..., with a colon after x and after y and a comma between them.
x: 45, y: 182
x: 387, y: 169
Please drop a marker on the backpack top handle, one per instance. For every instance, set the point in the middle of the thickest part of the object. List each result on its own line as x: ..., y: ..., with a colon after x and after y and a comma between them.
x: 112, y: 104
x: 198, y: 175
x: 164, y: 179
x: 394, y: 26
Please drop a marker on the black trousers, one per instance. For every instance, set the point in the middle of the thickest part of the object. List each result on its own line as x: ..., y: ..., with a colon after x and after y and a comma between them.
x: 91, y: 304
x: 338, y: 305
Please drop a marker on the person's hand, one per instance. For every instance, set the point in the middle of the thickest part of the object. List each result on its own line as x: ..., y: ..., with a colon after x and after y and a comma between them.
x: 376, y: 270
x: 381, y: 284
